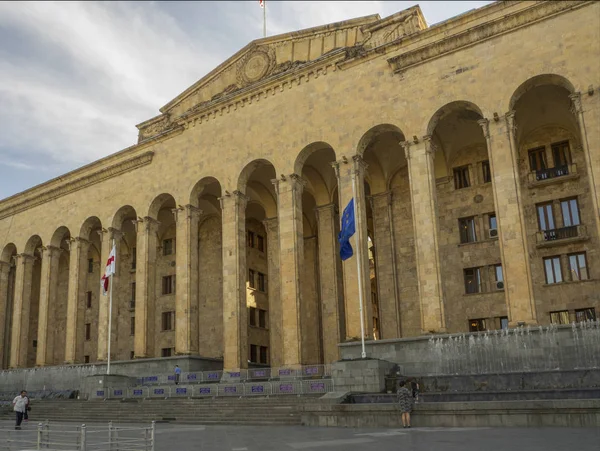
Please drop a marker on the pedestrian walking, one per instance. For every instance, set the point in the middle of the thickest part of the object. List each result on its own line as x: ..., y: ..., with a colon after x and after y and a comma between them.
x: 177, y: 374
x: 405, y: 400
x: 20, y: 407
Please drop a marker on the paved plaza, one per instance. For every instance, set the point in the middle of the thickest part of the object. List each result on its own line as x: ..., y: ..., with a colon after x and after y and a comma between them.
x: 283, y: 438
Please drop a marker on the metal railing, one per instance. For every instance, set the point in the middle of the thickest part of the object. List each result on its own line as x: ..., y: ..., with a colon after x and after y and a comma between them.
x: 551, y: 173
x: 561, y: 233
x: 283, y: 387
x: 63, y: 437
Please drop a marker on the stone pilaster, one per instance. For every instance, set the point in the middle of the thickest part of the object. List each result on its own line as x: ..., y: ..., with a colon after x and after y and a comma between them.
x: 385, y: 265
x: 291, y: 262
x: 186, y: 294
x: 77, y: 281
x: 145, y: 286
x: 330, y: 281
x: 235, y: 311
x: 586, y: 108
x: 512, y: 232
x: 4, y: 307
x: 274, y: 292
x: 346, y: 171
x: 310, y: 310
x: 22, y: 306
x: 106, y: 238
x: 48, y: 285
x: 426, y: 229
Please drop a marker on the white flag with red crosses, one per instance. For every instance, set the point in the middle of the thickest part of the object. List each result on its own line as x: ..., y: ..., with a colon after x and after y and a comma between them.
x: 261, y: 3
x: 109, y: 270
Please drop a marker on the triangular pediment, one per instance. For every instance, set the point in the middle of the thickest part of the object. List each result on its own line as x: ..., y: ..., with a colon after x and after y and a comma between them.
x: 264, y: 58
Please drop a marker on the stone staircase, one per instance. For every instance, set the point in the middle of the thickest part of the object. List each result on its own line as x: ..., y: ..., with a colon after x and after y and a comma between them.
x: 244, y: 411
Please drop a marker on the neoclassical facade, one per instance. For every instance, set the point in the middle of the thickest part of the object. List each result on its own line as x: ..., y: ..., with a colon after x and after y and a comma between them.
x: 474, y: 146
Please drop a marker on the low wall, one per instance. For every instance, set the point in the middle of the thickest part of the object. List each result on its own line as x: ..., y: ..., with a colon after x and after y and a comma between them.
x: 71, y: 377
x: 516, y: 350
x: 555, y: 413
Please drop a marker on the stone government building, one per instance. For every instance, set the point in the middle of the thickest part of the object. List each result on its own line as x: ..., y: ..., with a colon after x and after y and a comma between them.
x: 475, y: 146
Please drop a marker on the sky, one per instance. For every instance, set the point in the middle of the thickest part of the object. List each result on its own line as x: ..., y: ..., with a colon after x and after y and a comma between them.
x: 76, y: 77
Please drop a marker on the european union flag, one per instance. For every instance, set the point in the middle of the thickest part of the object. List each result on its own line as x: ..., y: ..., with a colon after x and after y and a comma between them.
x: 348, y: 229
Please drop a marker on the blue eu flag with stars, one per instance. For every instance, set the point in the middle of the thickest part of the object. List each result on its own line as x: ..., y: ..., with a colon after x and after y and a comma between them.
x: 348, y: 229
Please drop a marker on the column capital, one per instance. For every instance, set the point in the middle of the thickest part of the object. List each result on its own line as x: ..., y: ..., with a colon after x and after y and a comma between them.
x: 511, y: 124
x: 294, y: 181
x: 326, y: 208
x: 50, y: 250
x: 386, y: 196
x: 576, y: 106
x: 111, y: 232
x: 76, y: 241
x: 187, y: 211
x: 24, y: 258
x: 485, y: 126
x: 239, y: 199
x: 270, y: 223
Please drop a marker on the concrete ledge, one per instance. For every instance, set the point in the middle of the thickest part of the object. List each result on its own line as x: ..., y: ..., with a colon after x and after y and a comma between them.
x: 554, y: 413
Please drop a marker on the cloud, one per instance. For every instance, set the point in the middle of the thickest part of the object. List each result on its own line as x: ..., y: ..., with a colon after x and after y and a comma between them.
x: 75, y: 77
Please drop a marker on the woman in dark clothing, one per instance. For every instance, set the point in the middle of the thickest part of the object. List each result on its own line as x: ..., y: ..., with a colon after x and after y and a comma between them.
x: 405, y: 400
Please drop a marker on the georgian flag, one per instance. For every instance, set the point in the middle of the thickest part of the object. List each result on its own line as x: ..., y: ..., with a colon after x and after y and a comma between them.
x: 261, y: 3
x: 109, y: 270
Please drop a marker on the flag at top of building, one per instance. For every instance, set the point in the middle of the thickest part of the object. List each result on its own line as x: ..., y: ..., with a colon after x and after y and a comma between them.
x: 109, y: 270
x: 348, y: 229
x: 261, y: 3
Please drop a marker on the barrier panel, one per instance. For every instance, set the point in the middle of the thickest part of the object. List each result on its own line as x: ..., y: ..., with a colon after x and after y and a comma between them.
x: 206, y: 390
x: 181, y: 391
x: 101, y: 393
x: 159, y: 392
x: 192, y: 378
x: 211, y: 376
x: 286, y: 373
x: 259, y: 373
x: 117, y: 393
x: 230, y: 390
x: 258, y: 389
x: 317, y: 386
x: 234, y: 376
x: 286, y: 388
x: 138, y: 392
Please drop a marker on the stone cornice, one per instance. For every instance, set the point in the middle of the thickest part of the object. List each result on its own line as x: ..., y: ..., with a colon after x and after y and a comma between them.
x: 37, y: 196
x: 482, y: 32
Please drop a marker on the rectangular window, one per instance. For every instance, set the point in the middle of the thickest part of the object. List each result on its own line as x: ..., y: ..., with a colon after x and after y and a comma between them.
x: 260, y: 243
x: 133, y: 258
x: 252, y: 316
x: 545, y: 216
x: 131, y: 355
x: 499, y: 275
x: 493, y: 225
x: 585, y: 314
x: 570, y: 212
x: 253, y: 354
x: 467, y: 230
x: 86, y: 359
x: 472, y: 280
x: 461, y: 177
x: 262, y: 282
x: 168, y: 285
x: 504, y: 322
x: 167, y: 320
x: 561, y: 317
x: 561, y: 153
x: 168, y: 246
x: 262, y: 318
x: 88, y: 299
x: 132, y: 300
x: 537, y: 159
x: 166, y: 352
x: 487, y: 173
x: 477, y: 325
x: 263, y: 355
x: 251, y: 282
x: 90, y: 265
x: 578, y: 266
x: 250, y: 239
x: 553, y: 270
x: 132, y: 325
x: 88, y: 331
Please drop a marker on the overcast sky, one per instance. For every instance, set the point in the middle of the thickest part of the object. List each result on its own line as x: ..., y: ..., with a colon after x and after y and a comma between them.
x: 75, y: 78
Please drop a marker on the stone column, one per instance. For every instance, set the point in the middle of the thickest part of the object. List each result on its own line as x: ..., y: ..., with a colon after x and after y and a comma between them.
x: 291, y: 262
x: 590, y: 139
x: 186, y: 293
x: 274, y: 292
x: 145, y: 286
x: 77, y: 280
x: 426, y: 229
x: 22, y: 306
x: 235, y: 311
x: 106, y: 239
x: 512, y: 231
x: 48, y: 285
x: 330, y: 281
x: 385, y: 266
x: 345, y: 171
x: 310, y: 310
x: 4, y: 307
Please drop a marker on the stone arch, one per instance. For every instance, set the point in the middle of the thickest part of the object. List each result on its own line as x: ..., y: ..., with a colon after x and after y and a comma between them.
x: 8, y: 252
x: 33, y: 243
x: 308, y: 151
x: 449, y: 109
x: 207, y: 186
x: 90, y: 224
x: 159, y: 203
x: 371, y: 135
x: 249, y: 170
x: 125, y: 212
x: 59, y: 236
x: 537, y: 81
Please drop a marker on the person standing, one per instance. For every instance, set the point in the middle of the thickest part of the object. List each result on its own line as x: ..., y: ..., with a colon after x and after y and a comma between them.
x: 20, y: 407
x: 177, y: 374
x: 405, y: 400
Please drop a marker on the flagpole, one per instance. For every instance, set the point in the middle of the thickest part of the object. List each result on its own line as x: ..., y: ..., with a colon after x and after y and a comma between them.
x: 264, y: 19
x: 359, y: 267
x: 110, y: 281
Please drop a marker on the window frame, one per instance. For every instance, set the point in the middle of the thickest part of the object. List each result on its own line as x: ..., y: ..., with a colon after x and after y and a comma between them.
x: 486, y: 171
x: 262, y: 318
x: 265, y: 350
x: 577, y: 260
x: 88, y: 299
x: 477, y: 276
x: 132, y: 326
x: 168, y: 285
x: 167, y: 319
x: 545, y: 207
x: 168, y: 246
x: 481, y: 325
x: 261, y: 280
x: 560, y: 314
x: 568, y: 203
x: 462, y: 178
x: 252, y: 316
x: 166, y: 352
x: 537, y: 152
x: 251, y: 278
x: 553, y: 259
x: 558, y: 148
x: 467, y: 227
x: 88, y: 331
x: 260, y: 243
x: 579, y: 311
x: 250, y: 237
x: 90, y: 265
x: 253, y: 353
